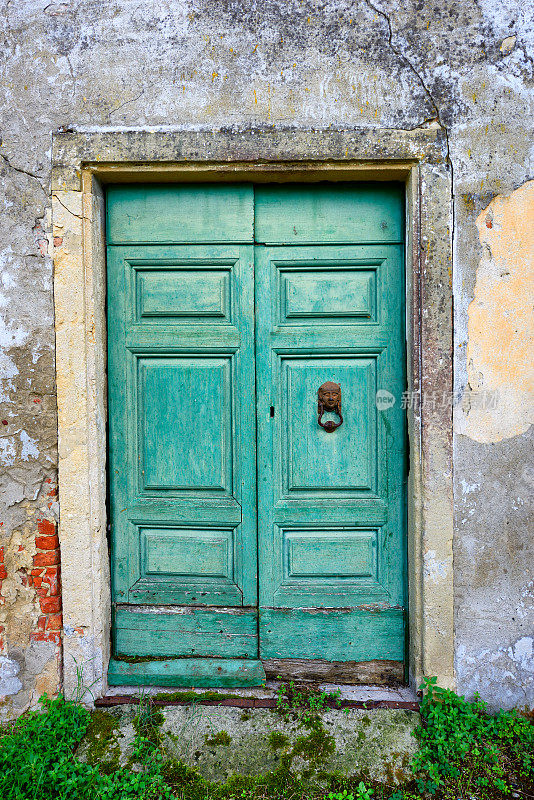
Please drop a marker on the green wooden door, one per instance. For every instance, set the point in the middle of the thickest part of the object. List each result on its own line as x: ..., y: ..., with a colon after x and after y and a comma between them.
x: 194, y: 363
x: 331, y: 502
x: 182, y: 443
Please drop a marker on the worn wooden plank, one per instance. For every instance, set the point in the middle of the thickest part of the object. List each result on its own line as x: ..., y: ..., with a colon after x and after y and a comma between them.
x: 176, y: 213
x: 329, y: 213
x: 188, y: 672
x: 352, y: 673
x: 182, y: 631
x: 350, y: 634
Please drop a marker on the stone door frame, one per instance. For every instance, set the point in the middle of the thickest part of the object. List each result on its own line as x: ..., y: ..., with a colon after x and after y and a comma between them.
x: 83, y: 164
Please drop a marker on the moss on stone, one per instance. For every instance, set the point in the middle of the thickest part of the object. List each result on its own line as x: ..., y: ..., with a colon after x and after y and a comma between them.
x: 103, y: 749
x: 143, y: 659
x: 221, y: 738
x: 277, y: 740
x: 316, y: 746
x: 193, y: 697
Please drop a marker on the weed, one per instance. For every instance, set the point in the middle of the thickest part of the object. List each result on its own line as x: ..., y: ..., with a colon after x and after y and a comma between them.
x: 303, y: 704
x: 465, y: 751
x: 362, y: 792
x: 37, y: 760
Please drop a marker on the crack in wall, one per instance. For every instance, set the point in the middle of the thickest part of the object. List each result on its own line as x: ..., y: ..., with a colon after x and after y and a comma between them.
x: 23, y: 171
x: 61, y: 203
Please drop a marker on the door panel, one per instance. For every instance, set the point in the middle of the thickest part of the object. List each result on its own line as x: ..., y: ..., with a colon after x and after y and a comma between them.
x: 182, y: 442
x: 332, y: 635
x: 329, y: 213
x: 314, y: 463
x: 176, y: 396
x: 180, y: 214
x: 331, y: 504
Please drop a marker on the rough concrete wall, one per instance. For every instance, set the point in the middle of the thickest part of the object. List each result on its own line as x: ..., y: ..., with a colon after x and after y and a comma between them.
x: 301, y: 64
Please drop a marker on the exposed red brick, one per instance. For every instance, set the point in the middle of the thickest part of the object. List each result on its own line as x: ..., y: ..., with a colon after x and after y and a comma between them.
x: 53, y: 582
x: 3, y: 573
x: 55, y: 622
x: 38, y: 571
x: 50, y: 605
x: 41, y: 591
x: 1, y: 554
x: 41, y: 623
x: 36, y: 581
x: 47, y: 559
x: 47, y: 542
x: 46, y: 527
x: 45, y: 637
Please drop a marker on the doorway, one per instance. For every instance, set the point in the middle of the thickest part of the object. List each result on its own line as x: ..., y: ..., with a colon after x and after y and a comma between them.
x: 257, y: 460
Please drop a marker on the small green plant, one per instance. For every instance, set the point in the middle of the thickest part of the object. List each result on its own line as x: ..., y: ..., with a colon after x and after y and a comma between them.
x: 37, y: 759
x: 362, y: 793
x: 465, y: 754
x: 344, y: 795
x: 466, y: 751
x: 302, y: 704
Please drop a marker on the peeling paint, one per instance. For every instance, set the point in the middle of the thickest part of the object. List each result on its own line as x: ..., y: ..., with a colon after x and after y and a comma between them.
x: 9, y: 682
x: 29, y: 447
x: 499, y: 400
x: 434, y: 568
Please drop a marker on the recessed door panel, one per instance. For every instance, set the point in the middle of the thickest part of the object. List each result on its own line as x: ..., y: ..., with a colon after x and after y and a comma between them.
x: 184, y: 293
x: 188, y: 552
x: 330, y: 554
x: 185, y: 426
x: 327, y: 294
x: 316, y: 463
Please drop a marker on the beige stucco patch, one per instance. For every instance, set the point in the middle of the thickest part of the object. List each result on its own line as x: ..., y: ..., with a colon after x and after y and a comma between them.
x: 499, y: 399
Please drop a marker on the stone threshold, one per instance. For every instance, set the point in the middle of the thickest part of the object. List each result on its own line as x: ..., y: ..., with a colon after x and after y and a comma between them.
x: 364, y: 697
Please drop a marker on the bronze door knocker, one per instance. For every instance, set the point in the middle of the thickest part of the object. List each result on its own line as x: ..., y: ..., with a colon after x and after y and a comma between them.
x: 329, y: 399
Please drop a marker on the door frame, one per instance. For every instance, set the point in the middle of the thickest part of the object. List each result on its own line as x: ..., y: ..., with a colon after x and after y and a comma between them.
x: 83, y: 164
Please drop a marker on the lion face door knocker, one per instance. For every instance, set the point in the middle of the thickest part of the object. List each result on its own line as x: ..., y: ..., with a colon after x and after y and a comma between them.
x: 329, y: 399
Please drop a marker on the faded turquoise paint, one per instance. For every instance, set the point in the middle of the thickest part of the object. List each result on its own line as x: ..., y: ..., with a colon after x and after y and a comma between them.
x: 182, y: 423
x: 329, y: 213
x: 182, y: 362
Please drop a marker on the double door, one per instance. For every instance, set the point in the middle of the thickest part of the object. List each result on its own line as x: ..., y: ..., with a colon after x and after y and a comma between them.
x: 256, y: 483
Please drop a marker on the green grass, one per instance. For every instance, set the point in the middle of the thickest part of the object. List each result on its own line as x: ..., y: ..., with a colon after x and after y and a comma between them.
x: 464, y: 754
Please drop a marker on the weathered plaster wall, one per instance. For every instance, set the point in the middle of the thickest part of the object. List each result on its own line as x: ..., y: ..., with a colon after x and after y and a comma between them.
x: 293, y: 64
